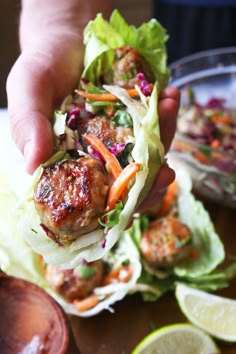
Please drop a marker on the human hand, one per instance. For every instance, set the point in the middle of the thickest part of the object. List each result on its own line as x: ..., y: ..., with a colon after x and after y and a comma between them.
x: 47, y: 69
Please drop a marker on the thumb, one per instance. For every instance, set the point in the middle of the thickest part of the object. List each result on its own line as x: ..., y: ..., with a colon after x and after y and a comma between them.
x: 30, y: 107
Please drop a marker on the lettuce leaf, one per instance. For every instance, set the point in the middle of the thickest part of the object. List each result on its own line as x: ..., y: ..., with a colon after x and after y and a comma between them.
x: 16, y: 256
x: 101, y: 38
x: 206, y: 242
x: 18, y: 259
x: 201, y: 272
x: 152, y: 287
x: 148, y: 150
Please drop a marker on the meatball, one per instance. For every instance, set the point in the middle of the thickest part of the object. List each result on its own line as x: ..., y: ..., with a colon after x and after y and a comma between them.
x: 99, y: 126
x: 70, y: 197
x: 105, y: 129
x: 165, y: 242
x: 75, y: 284
x: 127, y: 64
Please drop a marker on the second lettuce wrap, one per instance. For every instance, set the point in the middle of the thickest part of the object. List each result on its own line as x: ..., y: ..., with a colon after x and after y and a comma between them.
x: 203, y: 268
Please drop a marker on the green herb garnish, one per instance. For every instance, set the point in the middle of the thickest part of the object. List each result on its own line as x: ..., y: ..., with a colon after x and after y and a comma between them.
x: 85, y: 271
x: 112, y: 217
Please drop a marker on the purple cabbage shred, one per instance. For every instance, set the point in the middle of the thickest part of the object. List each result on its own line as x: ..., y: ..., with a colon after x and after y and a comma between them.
x: 116, y: 148
x: 144, y: 84
x: 51, y: 235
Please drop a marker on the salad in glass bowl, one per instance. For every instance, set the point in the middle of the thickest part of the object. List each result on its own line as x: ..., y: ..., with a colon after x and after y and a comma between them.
x: 205, y: 139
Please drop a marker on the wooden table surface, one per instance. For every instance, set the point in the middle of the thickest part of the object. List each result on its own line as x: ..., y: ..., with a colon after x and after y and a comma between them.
x: 119, y: 332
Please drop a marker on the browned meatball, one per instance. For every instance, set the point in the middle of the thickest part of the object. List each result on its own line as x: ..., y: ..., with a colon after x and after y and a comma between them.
x: 70, y: 197
x: 166, y: 242
x: 105, y: 129
x: 127, y: 64
x: 75, y: 284
x: 100, y: 126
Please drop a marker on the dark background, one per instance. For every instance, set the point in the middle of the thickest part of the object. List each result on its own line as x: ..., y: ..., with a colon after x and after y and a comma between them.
x: 9, y: 19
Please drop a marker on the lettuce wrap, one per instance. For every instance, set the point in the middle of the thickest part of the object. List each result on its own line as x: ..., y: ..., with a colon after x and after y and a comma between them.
x: 18, y: 259
x: 142, y: 149
x: 147, y: 151
x: 102, y: 37
x: 203, y: 268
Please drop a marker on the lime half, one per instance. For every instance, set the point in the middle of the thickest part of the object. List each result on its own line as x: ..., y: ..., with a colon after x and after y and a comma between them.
x: 177, y: 339
x: 214, y: 314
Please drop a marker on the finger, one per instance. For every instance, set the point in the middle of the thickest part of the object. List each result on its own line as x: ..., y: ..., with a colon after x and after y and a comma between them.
x: 170, y: 92
x: 152, y: 202
x: 168, y: 107
x: 164, y: 178
x: 30, y: 107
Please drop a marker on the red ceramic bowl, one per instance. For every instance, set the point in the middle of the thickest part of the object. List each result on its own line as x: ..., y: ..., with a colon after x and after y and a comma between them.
x: 31, y: 321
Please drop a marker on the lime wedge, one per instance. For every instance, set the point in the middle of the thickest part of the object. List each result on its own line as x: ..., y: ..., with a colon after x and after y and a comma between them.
x: 214, y: 314
x: 177, y: 339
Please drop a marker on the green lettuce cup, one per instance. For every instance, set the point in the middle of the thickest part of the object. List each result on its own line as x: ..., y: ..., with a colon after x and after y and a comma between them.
x: 50, y: 217
x: 203, y: 266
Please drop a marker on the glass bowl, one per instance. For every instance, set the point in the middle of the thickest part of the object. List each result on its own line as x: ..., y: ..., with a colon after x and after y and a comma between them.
x: 205, y: 140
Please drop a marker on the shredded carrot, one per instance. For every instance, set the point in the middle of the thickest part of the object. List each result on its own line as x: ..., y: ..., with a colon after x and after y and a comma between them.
x: 221, y: 119
x: 122, y: 274
x: 182, y: 146
x: 168, y: 200
x: 107, y: 96
x: 215, y: 143
x: 120, y: 184
x: 202, y: 158
x: 42, y: 263
x: 112, y: 163
x: 41, y: 260
x: 87, y: 303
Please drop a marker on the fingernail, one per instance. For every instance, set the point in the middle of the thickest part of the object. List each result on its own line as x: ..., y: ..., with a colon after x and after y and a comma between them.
x: 28, y: 156
x: 27, y: 150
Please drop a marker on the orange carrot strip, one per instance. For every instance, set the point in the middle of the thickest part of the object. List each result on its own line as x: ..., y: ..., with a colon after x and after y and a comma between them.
x: 112, y: 163
x: 42, y: 263
x: 110, y: 277
x: 41, y: 260
x: 120, y: 184
x: 122, y: 274
x: 168, y: 199
x: 221, y: 119
x: 182, y: 145
x: 107, y: 96
x: 202, y: 158
x: 215, y: 143
x: 87, y: 303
